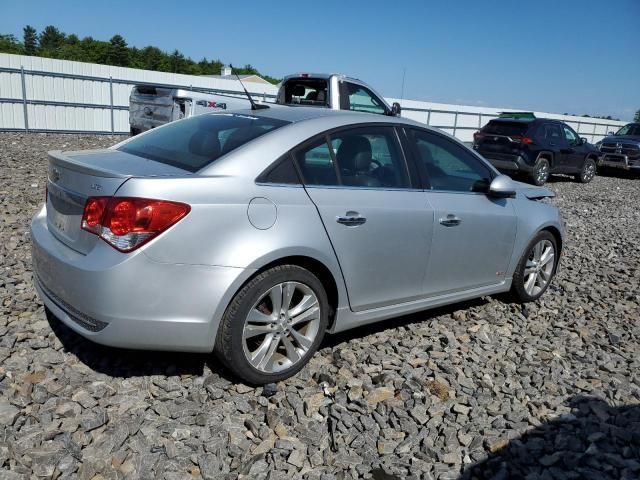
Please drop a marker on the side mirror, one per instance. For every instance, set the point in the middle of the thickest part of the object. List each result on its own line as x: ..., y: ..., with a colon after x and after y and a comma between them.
x: 502, y: 187
x: 583, y: 141
x: 396, y: 109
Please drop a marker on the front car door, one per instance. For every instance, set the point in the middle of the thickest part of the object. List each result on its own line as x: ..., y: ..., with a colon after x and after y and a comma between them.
x: 378, y: 221
x: 574, y: 153
x: 474, y: 234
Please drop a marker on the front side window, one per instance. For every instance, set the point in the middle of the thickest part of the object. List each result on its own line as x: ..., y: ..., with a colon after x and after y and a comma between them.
x: 361, y: 99
x: 370, y: 157
x: 570, y: 135
x: 447, y: 165
x: 196, y: 142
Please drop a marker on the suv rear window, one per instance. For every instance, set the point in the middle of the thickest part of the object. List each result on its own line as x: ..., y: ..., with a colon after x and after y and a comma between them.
x: 196, y: 142
x: 500, y: 127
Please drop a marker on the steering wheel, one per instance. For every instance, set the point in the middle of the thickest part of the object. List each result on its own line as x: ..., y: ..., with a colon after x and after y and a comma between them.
x: 376, y: 162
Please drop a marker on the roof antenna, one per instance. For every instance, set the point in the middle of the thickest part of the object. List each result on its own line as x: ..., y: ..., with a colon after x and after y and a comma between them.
x: 254, y: 105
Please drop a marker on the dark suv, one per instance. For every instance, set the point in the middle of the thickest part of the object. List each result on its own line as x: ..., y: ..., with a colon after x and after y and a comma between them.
x: 536, y: 147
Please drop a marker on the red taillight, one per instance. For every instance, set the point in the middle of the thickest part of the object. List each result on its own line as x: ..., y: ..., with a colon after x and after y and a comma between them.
x: 478, y: 136
x: 521, y: 139
x: 127, y: 223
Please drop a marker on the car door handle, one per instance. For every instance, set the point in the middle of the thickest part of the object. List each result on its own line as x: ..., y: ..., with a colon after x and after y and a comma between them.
x: 450, y: 221
x: 351, y: 219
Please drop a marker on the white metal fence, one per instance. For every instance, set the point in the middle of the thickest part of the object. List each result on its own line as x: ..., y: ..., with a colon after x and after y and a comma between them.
x: 45, y: 95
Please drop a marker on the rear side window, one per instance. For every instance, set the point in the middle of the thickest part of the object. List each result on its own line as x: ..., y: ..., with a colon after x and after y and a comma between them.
x: 194, y: 143
x: 316, y: 164
x: 508, y: 129
x: 550, y: 132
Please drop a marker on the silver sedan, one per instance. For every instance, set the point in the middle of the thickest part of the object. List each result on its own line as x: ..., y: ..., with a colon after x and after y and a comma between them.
x: 252, y: 234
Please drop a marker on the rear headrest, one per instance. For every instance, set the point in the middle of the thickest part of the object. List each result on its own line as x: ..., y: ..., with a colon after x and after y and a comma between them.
x: 298, y: 90
x: 312, y: 95
x: 204, y: 144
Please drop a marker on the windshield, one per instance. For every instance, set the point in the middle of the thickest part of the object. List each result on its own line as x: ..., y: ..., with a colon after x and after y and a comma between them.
x: 194, y: 143
x: 631, y: 129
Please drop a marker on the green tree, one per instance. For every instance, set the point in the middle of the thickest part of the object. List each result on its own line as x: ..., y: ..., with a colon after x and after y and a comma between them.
x: 30, y: 39
x: 118, y: 52
x: 636, y: 117
x: 10, y: 44
x: 50, y: 40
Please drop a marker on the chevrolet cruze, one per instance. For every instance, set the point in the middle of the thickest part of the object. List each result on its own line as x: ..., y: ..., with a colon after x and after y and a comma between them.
x: 251, y: 234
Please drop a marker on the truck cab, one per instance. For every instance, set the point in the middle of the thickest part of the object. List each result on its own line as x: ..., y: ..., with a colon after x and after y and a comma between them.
x: 334, y: 91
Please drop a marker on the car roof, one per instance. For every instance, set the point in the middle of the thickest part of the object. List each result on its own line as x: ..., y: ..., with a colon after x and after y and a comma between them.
x: 299, y: 114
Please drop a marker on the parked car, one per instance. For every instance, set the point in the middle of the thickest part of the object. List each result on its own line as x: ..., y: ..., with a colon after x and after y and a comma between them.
x: 252, y: 233
x: 150, y: 106
x: 536, y: 148
x: 621, y: 149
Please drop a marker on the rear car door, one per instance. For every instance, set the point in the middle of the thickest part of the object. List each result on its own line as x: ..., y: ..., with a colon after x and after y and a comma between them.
x: 379, y: 222
x: 473, y: 234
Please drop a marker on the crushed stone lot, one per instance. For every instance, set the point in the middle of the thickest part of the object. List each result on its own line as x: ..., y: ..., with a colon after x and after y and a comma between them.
x: 485, y: 389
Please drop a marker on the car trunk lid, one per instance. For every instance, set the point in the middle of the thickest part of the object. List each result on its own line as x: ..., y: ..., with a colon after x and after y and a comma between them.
x: 75, y: 176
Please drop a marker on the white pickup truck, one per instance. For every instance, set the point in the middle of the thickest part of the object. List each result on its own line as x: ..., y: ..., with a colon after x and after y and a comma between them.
x: 151, y: 106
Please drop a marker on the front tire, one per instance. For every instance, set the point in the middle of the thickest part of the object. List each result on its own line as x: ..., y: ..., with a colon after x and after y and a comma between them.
x: 540, y: 173
x: 588, y: 171
x: 536, y: 268
x: 273, y: 325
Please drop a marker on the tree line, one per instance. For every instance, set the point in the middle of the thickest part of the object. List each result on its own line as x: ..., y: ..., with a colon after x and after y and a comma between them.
x: 52, y: 43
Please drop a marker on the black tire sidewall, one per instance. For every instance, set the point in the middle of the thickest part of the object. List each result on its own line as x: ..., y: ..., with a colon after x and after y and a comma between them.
x: 517, y: 287
x: 229, y: 342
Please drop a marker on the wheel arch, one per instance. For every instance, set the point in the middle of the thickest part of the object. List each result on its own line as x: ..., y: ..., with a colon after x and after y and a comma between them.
x: 547, y: 155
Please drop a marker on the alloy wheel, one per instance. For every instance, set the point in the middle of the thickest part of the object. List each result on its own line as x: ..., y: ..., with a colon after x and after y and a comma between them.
x: 589, y: 172
x: 542, y: 173
x: 281, y: 327
x: 539, y: 267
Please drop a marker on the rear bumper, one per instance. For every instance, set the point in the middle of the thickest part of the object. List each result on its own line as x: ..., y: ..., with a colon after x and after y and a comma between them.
x: 507, y: 162
x: 129, y: 300
x: 619, y: 161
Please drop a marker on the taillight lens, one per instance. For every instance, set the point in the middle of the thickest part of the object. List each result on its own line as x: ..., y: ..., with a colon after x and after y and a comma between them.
x: 126, y: 223
x: 521, y: 139
x: 478, y: 136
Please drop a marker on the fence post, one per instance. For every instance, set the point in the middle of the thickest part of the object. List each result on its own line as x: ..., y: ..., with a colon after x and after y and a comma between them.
x: 111, y: 103
x: 24, y: 100
x: 455, y: 124
x: 429, y: 117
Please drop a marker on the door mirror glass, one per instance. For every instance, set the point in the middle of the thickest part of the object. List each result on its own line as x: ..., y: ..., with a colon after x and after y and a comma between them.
x: 502, y: 186
x: 396, y: 109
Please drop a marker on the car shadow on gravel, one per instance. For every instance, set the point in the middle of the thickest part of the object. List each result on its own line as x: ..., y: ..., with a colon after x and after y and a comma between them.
x: 594, y: 441
x: 125, y: 363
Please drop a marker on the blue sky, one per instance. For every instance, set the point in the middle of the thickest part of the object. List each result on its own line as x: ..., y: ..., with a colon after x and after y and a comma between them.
x: 574, y: 56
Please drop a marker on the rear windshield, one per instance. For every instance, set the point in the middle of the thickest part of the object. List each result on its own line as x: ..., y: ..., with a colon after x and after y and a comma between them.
x: 305, y: 91
x: 196, y: 142
x: 496, y: 127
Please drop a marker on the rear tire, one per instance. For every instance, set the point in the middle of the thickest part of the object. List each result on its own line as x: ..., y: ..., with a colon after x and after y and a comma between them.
x: 536, y: 268
x: 273, y: 325
x: 540, y: 173
x: 588, y: 171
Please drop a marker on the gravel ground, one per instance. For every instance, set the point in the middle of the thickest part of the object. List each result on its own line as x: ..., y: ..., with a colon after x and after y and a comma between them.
x: 485, y: 389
